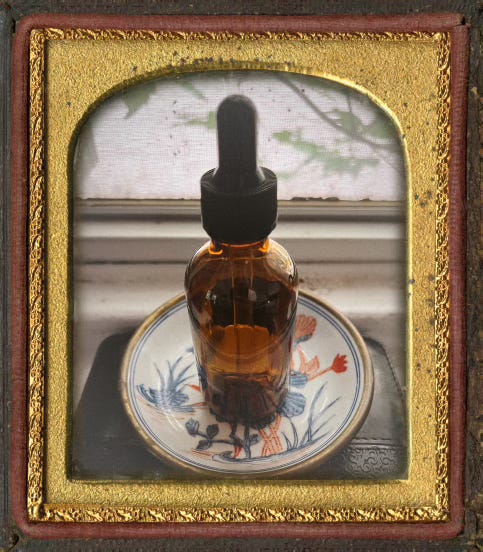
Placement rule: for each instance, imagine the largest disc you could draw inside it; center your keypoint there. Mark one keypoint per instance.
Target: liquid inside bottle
(242, 302)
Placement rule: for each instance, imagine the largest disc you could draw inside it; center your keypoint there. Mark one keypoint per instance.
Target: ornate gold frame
(61, 98)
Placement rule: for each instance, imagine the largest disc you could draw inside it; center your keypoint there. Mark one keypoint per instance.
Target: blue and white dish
(331, 385)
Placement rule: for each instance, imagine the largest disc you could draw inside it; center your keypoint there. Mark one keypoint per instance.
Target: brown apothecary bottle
(241, 287)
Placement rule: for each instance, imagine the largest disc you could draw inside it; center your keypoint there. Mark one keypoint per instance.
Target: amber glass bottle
(241, 287)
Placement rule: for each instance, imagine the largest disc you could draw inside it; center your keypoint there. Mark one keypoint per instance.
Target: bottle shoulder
(263, 251)
(270, 261)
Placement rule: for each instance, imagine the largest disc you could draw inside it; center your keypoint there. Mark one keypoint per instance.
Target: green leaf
(310, 148)
(381, 127)
(285, 136)
(351, 165)
(333, 161)
(209, 122)
(137, 97)
(348, 121)
(190, 87)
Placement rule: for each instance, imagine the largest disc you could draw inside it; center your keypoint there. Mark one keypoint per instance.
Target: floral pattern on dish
(326, 383)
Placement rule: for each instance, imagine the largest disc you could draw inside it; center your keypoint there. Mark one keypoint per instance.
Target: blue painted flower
(169, 394)
(298, 380)
(293, 405)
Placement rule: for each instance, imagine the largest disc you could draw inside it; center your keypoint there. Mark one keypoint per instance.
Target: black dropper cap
(239, 198)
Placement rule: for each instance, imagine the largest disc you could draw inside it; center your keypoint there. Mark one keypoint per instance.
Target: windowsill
(313, 231)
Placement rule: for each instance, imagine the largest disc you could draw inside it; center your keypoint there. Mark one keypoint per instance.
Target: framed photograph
(363, 120)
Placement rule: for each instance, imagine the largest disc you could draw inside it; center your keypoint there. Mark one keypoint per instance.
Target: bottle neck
(239, 249)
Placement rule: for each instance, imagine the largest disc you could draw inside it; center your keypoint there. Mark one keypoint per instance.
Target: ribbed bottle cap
(239, 198)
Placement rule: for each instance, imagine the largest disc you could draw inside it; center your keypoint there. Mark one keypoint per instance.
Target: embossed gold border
(351, 58)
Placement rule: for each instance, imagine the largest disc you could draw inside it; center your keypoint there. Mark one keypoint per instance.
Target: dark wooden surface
(20, 8)
(474, 434)
(242, 545)
(468, 540)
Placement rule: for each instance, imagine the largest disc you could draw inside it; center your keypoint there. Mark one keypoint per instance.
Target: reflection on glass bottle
(241, 287)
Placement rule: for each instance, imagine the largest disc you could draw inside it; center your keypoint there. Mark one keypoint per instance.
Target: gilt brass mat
(71, 72)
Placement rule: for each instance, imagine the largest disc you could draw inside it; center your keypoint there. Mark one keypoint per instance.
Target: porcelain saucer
(331, 386)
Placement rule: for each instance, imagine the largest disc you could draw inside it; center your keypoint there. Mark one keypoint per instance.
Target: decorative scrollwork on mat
(238, 515)
(442, 280)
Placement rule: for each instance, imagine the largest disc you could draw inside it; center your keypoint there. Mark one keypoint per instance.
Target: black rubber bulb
(237, 144)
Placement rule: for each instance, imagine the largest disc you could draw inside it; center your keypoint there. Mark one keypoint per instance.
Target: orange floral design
(339, 364)
(304, 327)
(236, 452)
(311, 368)
(271, 441)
